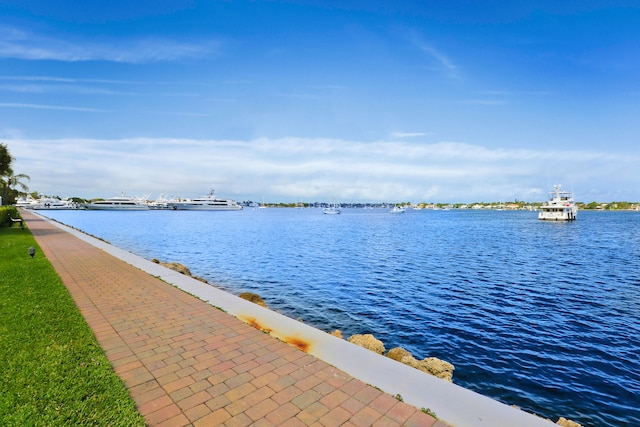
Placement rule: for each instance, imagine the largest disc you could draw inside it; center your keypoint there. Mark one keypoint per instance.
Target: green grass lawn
(52, 370)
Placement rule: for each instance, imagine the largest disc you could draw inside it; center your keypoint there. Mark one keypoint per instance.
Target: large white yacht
(119, 203)
(204, 203)
(52, 203)
(559, 207)
(45, 203)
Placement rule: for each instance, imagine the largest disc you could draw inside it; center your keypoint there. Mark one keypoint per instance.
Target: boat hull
(569, 215)
(93, 207)
(201, 207)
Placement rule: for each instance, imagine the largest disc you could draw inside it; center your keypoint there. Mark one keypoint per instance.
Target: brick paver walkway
(188, 363)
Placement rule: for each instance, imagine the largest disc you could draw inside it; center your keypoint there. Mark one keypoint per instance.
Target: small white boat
(559, 207)
(121, 203)
(204, 203)
(332, 210)
(397, 210)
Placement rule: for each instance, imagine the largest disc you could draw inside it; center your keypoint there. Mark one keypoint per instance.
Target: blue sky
(310, 100)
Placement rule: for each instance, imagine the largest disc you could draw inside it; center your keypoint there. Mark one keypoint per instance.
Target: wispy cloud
(395, 135)
(20, 44)
(182, 114)
(483, 102)
(49, 107)
(289, 169)
(56, 79)
(63, 88)
(513, 93)
(86, 86)
(438, 59)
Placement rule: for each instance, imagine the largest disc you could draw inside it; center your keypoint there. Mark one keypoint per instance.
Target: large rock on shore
(175, 266)
(180, 268)
(563, 422)
(254, 298)
(337, 333)
(430, 365)
(369, 342)
(399, 354)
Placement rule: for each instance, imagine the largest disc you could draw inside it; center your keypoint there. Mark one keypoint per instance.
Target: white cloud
(49, 107)
(291, 169)
(19, 44)
(56, 79)
(438, 60)
(408, 134)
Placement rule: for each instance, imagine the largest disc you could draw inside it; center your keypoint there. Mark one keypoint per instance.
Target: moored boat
(53, 203)
(26, 203)
(332, 210)
(205, 203)
(559, 207)
(119, 203)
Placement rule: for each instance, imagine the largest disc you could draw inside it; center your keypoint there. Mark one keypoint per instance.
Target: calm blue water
(545, 316)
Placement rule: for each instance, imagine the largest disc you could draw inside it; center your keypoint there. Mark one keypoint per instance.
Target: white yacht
(162, 202)
(26, 203)
(397, 210)
(53, 203)
(559, 207)
(332, 210)
(204, 203)
(120, 203)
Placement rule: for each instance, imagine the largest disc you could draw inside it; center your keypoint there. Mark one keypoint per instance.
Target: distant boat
(27, 203)
(121, 203)
(397, 210)
(205, 203)
(52, 203)
(559, 207)
(332, 210)
(160, 203)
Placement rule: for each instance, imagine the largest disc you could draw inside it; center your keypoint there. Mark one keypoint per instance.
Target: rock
(369, 342)
(563, 422)
(398, 354)
(254, 298)
(180, 268)
(336, 333)
(437, 367)
(430, 365)
(175, 266)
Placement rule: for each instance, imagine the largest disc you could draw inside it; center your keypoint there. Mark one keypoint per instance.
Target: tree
(11, 183)
(13, 186)
(5, 159)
